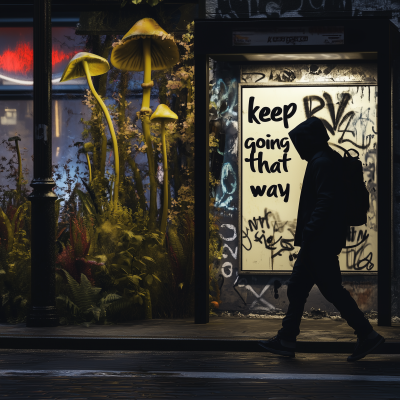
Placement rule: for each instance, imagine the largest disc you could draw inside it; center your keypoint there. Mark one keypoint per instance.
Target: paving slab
(221, 333)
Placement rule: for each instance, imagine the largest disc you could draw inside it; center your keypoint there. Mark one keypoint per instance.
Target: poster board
(271, 171)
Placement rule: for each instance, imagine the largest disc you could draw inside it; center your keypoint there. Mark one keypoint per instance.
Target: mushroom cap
(87, 147)
(97, 66)
(163, 113)
(14, 139)
(128, 56)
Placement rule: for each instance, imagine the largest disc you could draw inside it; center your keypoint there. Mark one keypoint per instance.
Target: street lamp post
(43, 311)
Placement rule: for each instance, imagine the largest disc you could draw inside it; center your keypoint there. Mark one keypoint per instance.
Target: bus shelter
(285, 69)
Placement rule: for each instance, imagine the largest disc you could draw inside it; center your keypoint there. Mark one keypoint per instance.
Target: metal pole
(201, 188)
(384, 171)
(43, 312)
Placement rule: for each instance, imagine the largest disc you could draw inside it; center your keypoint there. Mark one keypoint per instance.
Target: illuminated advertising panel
(271, 171)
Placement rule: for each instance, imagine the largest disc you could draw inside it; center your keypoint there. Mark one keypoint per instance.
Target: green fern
(84, 294)
(70, 305)
(85, 301)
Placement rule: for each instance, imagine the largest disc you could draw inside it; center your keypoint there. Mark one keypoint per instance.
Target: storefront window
(125, 229)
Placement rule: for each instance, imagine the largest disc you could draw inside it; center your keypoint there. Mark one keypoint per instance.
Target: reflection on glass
(10, 117)
(16, 55)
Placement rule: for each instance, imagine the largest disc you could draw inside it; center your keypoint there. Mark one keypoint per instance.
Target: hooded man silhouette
(320, 218)
(321, 233)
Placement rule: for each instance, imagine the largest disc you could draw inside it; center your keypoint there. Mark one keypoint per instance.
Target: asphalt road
(59, 374)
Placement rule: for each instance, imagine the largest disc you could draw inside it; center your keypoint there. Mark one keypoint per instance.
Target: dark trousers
(324, 271)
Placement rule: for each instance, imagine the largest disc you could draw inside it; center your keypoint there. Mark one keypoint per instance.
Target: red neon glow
(20, 60)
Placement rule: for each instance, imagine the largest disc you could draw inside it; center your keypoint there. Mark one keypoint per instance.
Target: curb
(175, 344)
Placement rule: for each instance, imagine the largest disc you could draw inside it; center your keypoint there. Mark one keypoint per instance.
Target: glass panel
(224, 79)
(133, 256)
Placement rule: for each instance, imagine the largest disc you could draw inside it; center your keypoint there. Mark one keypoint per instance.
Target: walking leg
(329, 281)
(298, 289)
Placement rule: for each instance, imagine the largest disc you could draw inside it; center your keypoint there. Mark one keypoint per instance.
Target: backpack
(357, 195)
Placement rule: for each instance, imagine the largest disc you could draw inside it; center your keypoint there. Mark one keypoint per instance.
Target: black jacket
(320, 221)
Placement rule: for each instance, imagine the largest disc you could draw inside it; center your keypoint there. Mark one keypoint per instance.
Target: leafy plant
(15, 228)
(84, 302)
(127, 266)
(11, 223)
(15, 258)
(73, 258)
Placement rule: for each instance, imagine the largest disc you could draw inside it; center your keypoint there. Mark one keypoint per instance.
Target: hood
(309, 137)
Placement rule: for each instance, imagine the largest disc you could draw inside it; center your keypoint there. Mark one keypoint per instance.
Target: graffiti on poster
(272, 171)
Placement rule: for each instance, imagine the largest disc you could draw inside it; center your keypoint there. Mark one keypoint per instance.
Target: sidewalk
(222, 333)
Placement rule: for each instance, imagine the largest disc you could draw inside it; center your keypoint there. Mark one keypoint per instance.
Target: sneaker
(365, 347)
(275, 346)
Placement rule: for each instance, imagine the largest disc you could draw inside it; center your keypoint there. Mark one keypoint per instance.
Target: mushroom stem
(103, 154)
(147, 72)
(19, 181)
(110, 126)
(90, 167)
(146, 130)
(138, 183)
(166, 184)
(153, 184)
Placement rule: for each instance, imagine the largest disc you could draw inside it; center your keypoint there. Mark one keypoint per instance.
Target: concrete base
(223, 334)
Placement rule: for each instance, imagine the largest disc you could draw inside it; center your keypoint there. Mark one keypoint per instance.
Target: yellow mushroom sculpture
(146, 47)
(88, 65)
(163, 115)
